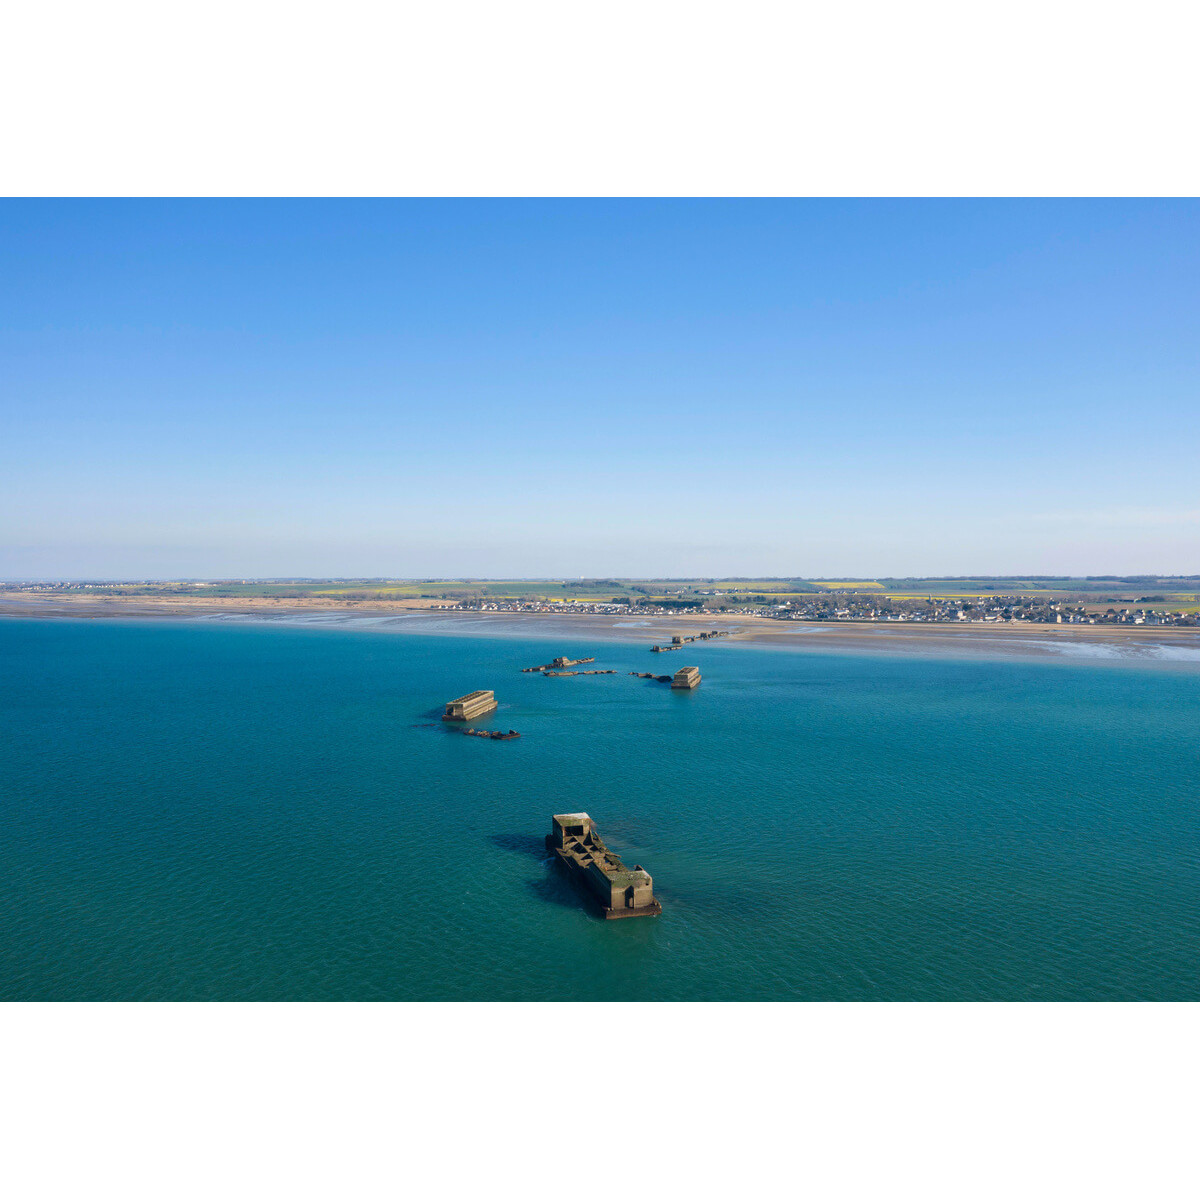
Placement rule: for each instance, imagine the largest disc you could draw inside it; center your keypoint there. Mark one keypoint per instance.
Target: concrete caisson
(619, 891)
(470, 706)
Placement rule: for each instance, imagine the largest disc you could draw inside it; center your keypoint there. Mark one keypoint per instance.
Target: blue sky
(512, 388)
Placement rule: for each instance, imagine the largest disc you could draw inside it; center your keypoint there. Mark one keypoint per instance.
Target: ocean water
(213, 811)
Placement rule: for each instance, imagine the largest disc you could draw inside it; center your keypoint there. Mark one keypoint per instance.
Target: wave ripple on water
(250, 811)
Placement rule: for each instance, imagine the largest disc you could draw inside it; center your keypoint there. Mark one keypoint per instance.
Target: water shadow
(552, 886)
(529, 844)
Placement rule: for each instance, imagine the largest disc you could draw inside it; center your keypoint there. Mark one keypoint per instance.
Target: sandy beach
(1104, 643)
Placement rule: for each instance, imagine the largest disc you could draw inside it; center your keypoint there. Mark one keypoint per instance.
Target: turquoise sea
(212, 811)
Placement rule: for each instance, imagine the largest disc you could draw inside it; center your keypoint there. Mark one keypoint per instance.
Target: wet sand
(1102, 643)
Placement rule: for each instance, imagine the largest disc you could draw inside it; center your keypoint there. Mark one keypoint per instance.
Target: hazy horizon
(532, 389)
(599, 580)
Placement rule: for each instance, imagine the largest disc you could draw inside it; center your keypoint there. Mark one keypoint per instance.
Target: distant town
(843, 608)
(1044, 600)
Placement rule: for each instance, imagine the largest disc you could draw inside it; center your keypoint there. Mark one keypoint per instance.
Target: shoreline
(1159, 646)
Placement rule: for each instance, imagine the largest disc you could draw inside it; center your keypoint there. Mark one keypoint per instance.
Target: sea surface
(196, 810)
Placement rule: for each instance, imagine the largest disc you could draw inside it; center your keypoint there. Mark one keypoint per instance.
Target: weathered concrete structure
(619, 891)
(561, 661)
(470, 706)
(686, 677)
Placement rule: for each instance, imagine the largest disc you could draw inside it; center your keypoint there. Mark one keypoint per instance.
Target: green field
(1178, 593)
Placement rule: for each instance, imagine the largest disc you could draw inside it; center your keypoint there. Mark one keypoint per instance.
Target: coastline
(1076, 643)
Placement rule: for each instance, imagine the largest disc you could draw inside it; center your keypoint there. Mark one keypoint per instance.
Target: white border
(577, 1101)
(629, 97)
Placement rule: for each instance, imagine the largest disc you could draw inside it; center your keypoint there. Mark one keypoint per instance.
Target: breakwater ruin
(680, 640)
(599, 873)
(470, 706)
(685, 677)
(558, 664)
(619, 891)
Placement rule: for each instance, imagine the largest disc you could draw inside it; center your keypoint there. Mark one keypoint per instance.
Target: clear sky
(542, 388)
